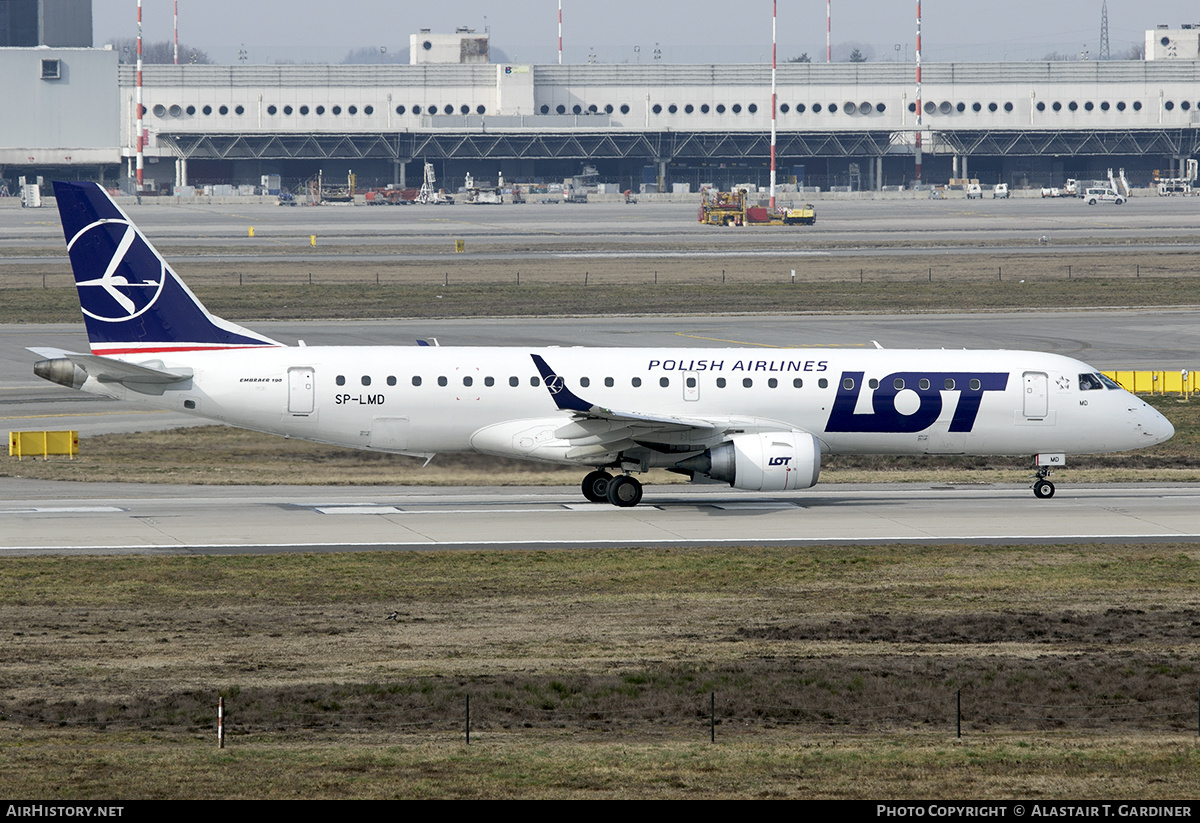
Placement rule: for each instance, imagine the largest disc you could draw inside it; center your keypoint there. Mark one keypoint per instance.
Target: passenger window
(608, 381)
(391, 381)
(797, 383)
(898, 383)
(823, 383)
(489, 381)
(416, 380)
(949, 384)
(584, 382)
(720, 382)
(691, 382)
(340, 380)
(366, 381)
(974, 384)
(467, 381)
(848, 383)
(1089, 382)
(442, 381)
(535, 381)
(923, 383)
(513, 381)
(637, 381)
(773, 382)
(664, 382)
(747, 382)
(873, 383)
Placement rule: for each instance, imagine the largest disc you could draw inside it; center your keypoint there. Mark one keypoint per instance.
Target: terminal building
(71, 112)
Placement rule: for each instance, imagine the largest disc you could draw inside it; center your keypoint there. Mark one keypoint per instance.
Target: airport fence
(731, 269)
(1183, 382)
(711, 716)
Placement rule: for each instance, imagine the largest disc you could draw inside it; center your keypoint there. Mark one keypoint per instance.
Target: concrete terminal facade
(1032, 123)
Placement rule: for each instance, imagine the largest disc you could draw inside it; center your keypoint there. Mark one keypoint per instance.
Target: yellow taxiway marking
(771, 345)
(85, 414)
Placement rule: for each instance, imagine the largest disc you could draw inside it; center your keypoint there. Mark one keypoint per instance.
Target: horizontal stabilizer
(72, 368)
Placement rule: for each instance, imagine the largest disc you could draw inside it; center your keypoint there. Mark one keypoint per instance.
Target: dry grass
(835, 671)
(460, 286)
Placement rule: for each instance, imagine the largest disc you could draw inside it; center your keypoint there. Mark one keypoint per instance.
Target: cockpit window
(1090, 382)
(1109, 383)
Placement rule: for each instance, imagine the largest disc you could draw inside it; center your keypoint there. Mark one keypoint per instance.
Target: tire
(595, 486)
(624, 491)
(1092, 202)
(1043, 489)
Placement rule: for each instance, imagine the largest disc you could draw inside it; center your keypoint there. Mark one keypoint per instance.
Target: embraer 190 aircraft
(757, 420)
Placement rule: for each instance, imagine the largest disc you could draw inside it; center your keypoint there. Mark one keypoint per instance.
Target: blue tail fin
(132, 301)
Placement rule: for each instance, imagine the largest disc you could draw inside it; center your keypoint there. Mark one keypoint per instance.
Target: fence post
(220, 722)
(467, 720)
(958, 714)
(712, 717)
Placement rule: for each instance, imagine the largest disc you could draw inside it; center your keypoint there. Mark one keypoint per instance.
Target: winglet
(564, 398)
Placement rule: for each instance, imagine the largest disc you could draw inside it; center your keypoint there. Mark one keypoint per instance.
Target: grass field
(835, 672)
(946, 281)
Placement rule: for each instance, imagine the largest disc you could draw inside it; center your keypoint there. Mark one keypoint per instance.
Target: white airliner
(757, 420)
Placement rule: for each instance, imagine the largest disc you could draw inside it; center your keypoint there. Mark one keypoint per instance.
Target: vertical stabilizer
(132, 300)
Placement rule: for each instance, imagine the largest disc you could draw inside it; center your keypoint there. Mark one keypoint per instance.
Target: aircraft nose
(1156, 427)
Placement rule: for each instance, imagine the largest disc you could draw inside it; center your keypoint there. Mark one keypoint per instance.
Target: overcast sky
(628, 31)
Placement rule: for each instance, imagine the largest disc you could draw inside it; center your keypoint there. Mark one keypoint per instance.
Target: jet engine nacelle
(773, 461)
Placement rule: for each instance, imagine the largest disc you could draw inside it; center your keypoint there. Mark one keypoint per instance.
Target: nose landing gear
(1043, 488)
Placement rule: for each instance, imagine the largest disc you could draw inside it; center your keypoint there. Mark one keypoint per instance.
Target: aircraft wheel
(595, 486)
(624, 491)
(1043, 489)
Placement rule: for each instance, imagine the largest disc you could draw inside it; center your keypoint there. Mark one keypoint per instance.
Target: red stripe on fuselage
(157, 349)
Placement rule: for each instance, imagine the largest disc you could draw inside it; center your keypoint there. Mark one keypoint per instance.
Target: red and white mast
(140, 130)
(774, 6)
(918, 145)
(560, 32)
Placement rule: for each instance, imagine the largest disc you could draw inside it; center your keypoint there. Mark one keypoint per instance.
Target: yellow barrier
(43, 443)
(1183, 382)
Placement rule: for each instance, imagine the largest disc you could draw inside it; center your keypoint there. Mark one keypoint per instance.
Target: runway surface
(221, 231)
(69, 518)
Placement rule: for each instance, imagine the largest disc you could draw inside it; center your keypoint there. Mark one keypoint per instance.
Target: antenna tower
(1104, 55)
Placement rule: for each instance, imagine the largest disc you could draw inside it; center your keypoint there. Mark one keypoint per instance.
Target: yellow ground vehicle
(728, 208)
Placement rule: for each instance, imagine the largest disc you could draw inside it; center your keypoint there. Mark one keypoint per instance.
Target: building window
(51, 67)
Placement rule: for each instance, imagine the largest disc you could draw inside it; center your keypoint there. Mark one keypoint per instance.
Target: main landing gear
(1043, 489)
(601, 487)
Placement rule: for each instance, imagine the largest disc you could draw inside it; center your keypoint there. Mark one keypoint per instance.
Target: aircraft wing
(597, 430)
(566, 400)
